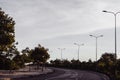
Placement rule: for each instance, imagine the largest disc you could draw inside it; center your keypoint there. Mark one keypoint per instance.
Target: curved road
(67, 74)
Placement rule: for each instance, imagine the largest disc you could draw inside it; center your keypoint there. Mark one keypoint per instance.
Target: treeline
(106, 64)
(38, 55)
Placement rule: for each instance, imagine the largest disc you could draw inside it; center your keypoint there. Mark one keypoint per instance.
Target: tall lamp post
(78, 48)
(96, 37)
(61, 49)
(115, 14)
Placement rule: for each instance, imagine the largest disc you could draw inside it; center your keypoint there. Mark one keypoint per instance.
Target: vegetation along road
(66, 74)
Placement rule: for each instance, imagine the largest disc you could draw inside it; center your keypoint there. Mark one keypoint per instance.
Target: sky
(61, 23)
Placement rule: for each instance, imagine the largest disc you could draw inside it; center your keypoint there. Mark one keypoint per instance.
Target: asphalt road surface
(67, 74)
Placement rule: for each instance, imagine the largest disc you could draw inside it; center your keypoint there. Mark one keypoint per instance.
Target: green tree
(107, 63)
(7, 39)
(26, 55)
(19, 60)
(39, 55)
(66, 63)
(7, 33)
(75, 63)
(57, 63)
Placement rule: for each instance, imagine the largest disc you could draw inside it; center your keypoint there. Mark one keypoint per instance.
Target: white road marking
(74, 75)
(68, 73)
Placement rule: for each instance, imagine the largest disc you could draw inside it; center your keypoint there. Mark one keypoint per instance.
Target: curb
(23, 74)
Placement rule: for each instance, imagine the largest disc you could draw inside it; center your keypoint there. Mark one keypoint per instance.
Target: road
(67, 74)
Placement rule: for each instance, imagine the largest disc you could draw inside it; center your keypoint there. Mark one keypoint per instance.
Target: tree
(18, 59)
(75, 64)
(7, 39)
(66, 63)
(7, 33)
(39, 55)
(57, 63)
(26, 55)
(107, 63)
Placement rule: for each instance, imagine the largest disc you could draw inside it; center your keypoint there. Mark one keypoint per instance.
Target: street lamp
(115, 14)
(96, 37)
(61, 49)
(78, 48)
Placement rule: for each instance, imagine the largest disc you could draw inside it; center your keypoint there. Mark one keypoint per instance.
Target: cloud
(60, 17)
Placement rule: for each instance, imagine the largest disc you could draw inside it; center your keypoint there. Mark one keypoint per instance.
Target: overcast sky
(60, 23)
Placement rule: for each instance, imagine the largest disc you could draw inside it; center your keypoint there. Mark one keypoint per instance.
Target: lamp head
(101, 35)
(75, 43)
(104, 11)
(82, 44)
(90, 35)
